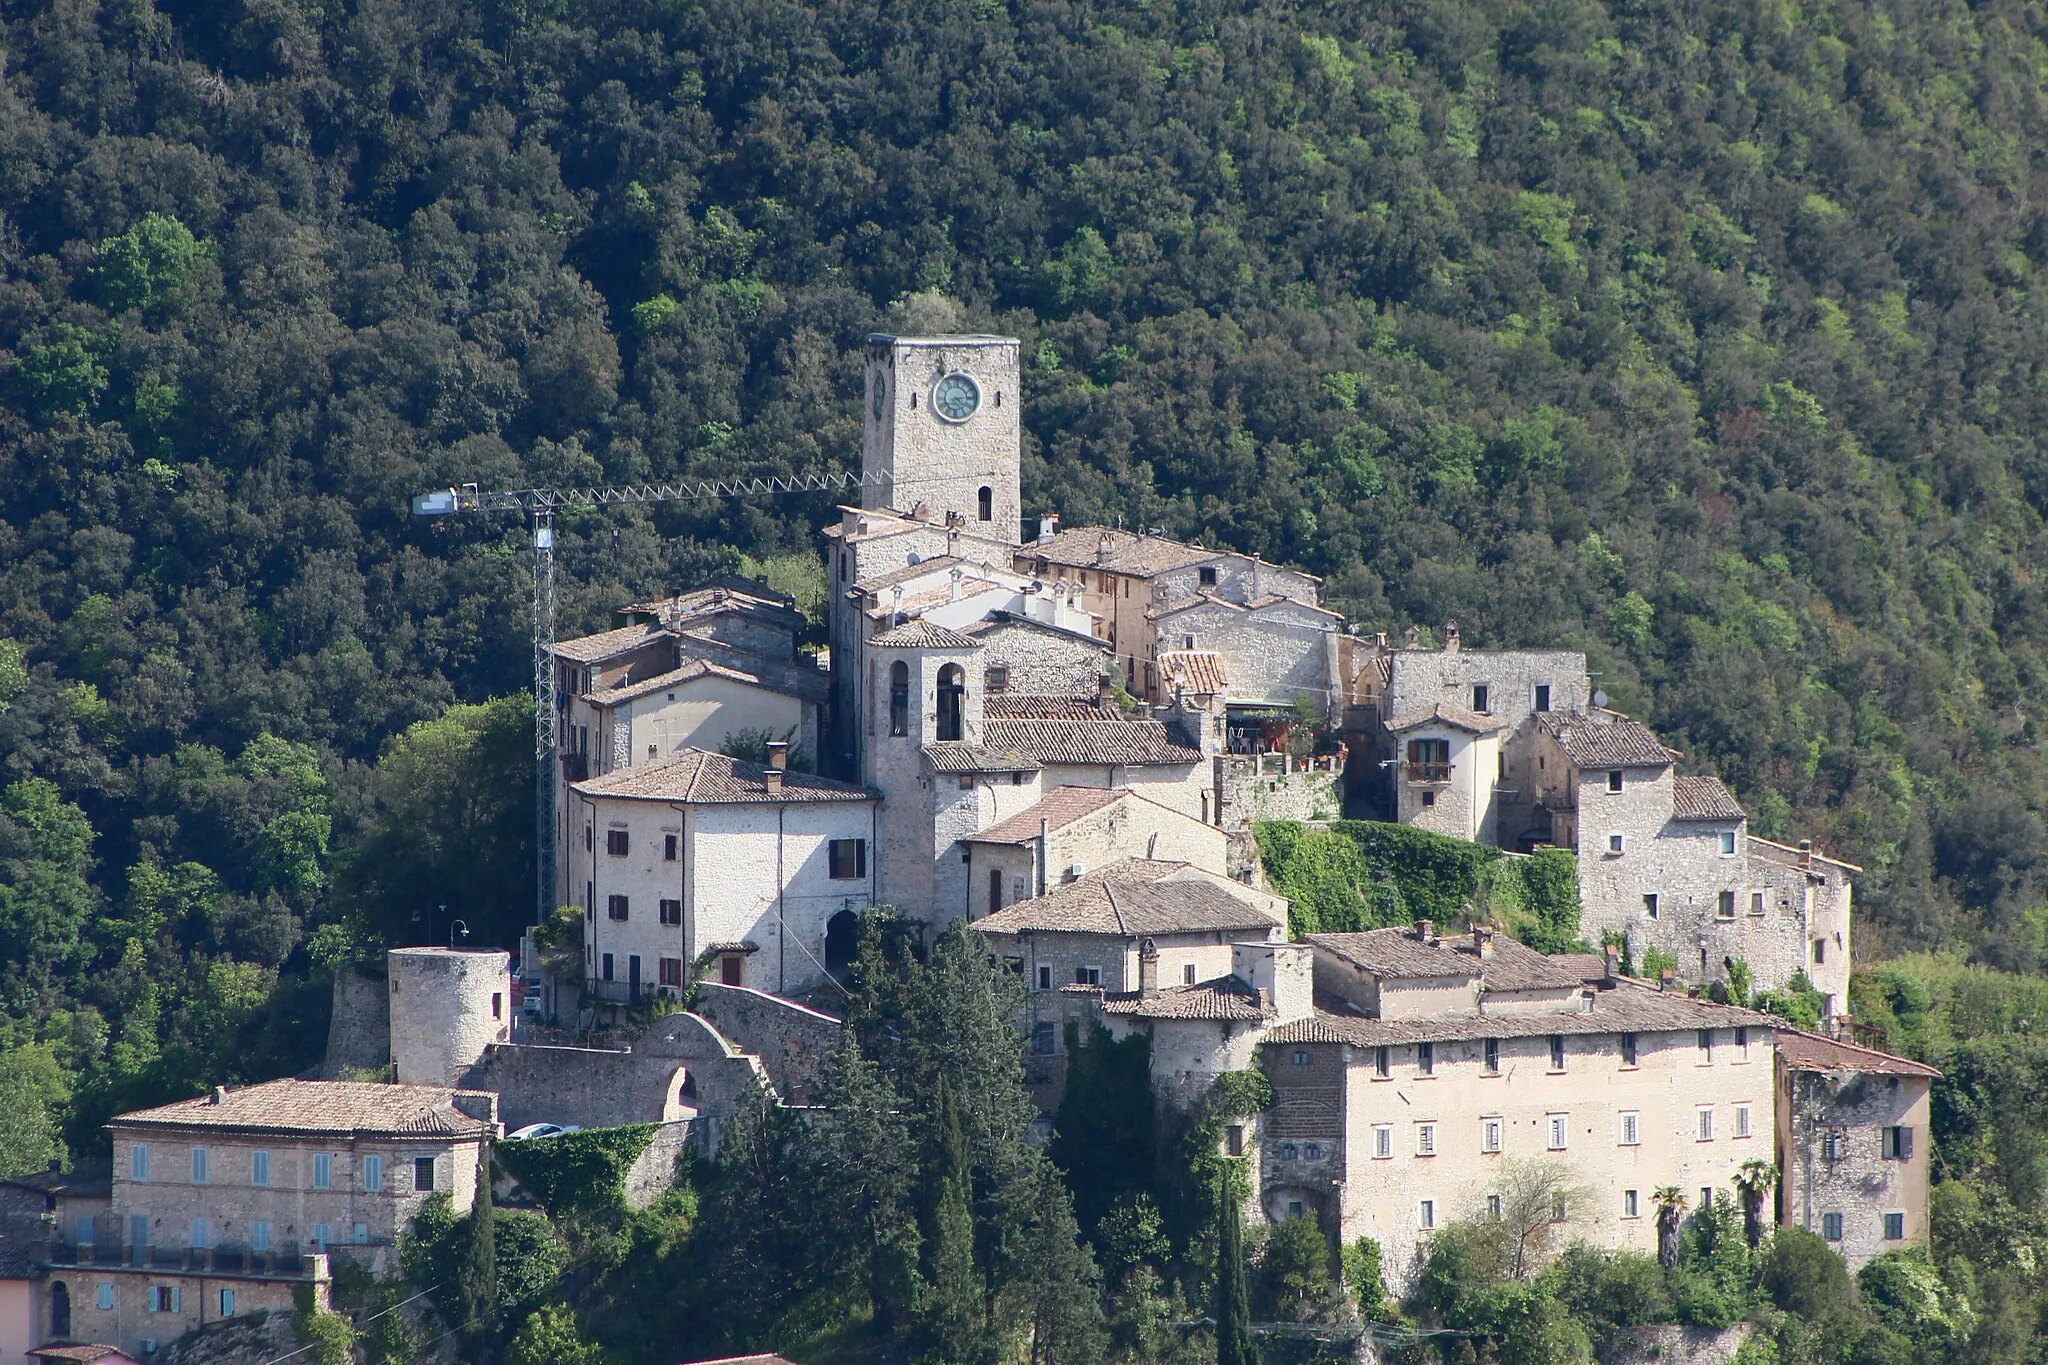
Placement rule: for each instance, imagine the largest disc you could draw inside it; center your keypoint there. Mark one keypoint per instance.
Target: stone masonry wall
(1857, 1181)
(359, 1028)
(791, 1041)
(1043, 662)
(1276, 787)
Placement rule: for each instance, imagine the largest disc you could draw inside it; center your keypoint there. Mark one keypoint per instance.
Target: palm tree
(1670, 1201)
(1754, 1182)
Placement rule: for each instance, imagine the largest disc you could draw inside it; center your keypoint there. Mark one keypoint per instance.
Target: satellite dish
(1600, 699)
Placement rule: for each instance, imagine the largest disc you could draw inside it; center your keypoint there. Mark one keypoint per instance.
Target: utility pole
(541, 504)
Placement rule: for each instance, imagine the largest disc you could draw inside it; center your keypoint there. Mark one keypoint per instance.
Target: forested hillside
(1705, 337)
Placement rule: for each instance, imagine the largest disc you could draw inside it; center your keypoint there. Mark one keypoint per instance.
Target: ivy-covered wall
(1363, 874)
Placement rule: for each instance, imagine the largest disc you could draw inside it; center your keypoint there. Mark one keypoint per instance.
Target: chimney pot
(1048, 527)
(1482, 941)
(220, 1094)
(1667, 980)
(1425, 930)
(1612, 955)
(772, 779)
(1450, 637)
(1411, 638)
(1105, 690)
(1148, 969)
(778, 754)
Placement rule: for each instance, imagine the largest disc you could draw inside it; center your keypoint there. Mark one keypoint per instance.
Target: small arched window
(987, 508)
(899, 698)
(952, 694)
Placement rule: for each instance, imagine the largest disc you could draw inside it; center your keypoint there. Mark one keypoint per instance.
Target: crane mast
(541, 505)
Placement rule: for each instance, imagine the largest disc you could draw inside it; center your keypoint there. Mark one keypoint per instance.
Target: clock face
(881, 400)
(956, 397)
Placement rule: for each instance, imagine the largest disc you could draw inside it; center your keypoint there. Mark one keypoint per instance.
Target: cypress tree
(952, 1309)
(1233, 1303)
(480, 1260)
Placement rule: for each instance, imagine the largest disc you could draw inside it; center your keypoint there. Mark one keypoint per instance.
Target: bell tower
(941, 428)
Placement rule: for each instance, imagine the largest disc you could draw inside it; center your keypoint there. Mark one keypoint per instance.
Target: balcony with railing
(1428, 774)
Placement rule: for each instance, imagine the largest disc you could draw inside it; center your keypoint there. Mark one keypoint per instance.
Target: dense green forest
(1703, 337)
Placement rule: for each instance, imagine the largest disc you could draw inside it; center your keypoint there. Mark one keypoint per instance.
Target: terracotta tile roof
(1787, 855)
(686, 609)
(1803, 1051)
(1058, 808)
(609, 644)
(89, 1184)
(745, 1360)
(1476, 722)
(1628, 1008)
(1118, 743)
(1225, 998)
(697, 775)
(1600, 742)
(1105, 547)
(98, 1353)
(923, 635)
(906, 573)
(788, 679)
(1201, 671)
(1703, 798)
(1209, 599)
(957, 756)
(1035, 706)
(1005, 620)
(294, 1106)
(1397, 953)
(938, 595)
(1133, 898)
(1588, 967)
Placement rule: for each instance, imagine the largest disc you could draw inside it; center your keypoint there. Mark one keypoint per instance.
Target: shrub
(1803, 1275)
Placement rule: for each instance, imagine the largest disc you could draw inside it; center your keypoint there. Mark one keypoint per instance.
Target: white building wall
(703, 712)
(447, 1006)
(1188, 788)
(1464, 806)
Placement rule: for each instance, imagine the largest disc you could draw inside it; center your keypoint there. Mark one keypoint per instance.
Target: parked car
(541, 1130)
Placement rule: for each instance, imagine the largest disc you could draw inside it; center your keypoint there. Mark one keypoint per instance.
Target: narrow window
(1895, 1227)
(671, 969)
(1831, 1226)
(617, 907)
(668, 848)
(605, 967)
(1724, 905)
(1614, 780)
(1706, 1125)
(1560, 1126)
(1706, 1044)
(373, 1174)
(843, 568)
(1382, 1061)
(422, 1174)
(1426, 1216)
(1300, 1057)
(360, 1234)
(227, 1303)
(1489, 1135)
(497, 1004)
(323, 1172)
(1616, 843)
(1493, 1207)
(202, 1233)
(138, 1162)
(1234, 1139)
(259, 1235)
(323, 1236)
(1482, 698)
(1820, 950)
(138, 1230)
(1425, 1139)
(201, 1159)
(1631, 1130)
(616, 842)
(672, 912)
(1728, 841)
(1628, 1049)
(1187, 975)
(1706, 1196)
(1557, 1052)
(1287, 1151)
(1492, 1053)
(1045, 978)
(1756, 902)
(985, 504)
(1312, 1151)
(105, 1297)
(1898, 1143)
(952, 700)
(1630, 1208)
(1542, 696)
(1087, 976)
(899, 698)
(1557, 1209)
(1742, 1120)
(1425, 1058)
(1742, 1042)
(1042, 1038)
(732, 970)
(1382, 1143)
(1650, 904)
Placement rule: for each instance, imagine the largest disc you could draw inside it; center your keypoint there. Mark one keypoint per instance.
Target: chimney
(1048, 527)
(778, 754)
(1450, 637)
(1379, 641)
(219, 1096)
(1482, 942)
(1411, 638)
(772, 780)
(1102, 549)
(1425, 930)
(1612, 964)
(1148, 970)
(1806, 854)
(953, 584)
(1667, 981)
(1105, 691)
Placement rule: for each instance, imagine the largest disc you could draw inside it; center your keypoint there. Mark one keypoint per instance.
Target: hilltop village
(1065, 737)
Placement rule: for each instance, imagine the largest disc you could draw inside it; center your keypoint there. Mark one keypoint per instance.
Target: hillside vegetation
(1703, 337)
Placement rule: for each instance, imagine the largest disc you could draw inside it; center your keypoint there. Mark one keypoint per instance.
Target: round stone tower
(447, 1006)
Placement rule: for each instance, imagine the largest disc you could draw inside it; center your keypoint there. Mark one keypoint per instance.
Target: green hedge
(577, 1172)
(1361, 874)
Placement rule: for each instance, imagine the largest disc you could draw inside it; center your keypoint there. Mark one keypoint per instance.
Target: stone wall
(939, 463)
(1851, 1175)
(446, 1008)
(1277, 787)
(1275, 654)
(654, 1172)
(138, 1328)
(791, 1040)
(359, 1028)
(1042, 660)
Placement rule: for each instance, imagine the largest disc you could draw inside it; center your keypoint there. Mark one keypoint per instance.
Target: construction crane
(542, 504)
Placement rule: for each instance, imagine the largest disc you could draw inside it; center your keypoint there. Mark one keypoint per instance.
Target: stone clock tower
(941, 424)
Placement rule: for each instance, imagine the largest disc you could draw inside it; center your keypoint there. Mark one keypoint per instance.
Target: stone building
(700, 856)
(1198, 1032)
(1438, 1071)
(232, 1204)
(1072, 830)
(1447, 771)
(1853, 1145)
